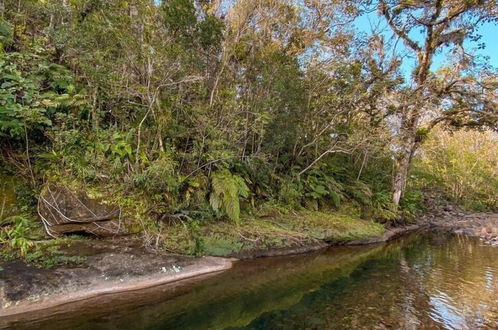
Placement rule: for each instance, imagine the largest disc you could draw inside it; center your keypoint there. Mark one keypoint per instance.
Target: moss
(260, 234)
(220, 245)
(44, 254)
(331, 227)
(7, 193)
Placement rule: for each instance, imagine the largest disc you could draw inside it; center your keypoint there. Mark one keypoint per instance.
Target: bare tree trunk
(28, 157)
(95, 111)
(160, 140)
(65, 6)
(139, 136)
(401, 170)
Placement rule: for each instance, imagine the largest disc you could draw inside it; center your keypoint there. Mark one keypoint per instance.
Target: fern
(336, 199)
(360, 192)
(227, 188)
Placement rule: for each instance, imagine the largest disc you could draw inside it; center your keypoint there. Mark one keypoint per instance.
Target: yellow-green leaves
(464, 164)
(227, 188)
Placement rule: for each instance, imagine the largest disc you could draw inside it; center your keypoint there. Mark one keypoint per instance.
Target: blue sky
(489, 32)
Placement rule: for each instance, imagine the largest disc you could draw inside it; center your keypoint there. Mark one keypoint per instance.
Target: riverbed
(421, 281)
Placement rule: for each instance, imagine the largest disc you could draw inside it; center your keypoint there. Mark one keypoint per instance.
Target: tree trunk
(401, 170)
(95, 111)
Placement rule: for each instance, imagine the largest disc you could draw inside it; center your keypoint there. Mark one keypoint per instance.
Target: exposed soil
(445, 216)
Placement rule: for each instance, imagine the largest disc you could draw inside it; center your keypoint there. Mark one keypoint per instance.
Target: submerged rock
(64, 211)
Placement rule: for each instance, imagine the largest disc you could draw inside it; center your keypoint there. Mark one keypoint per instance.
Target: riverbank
(113, 266)
(106, 267)
(269, 234)
(483, 225)
(117, 265)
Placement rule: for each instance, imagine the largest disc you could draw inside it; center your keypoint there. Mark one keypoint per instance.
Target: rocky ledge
(452, 219)
(106, 267)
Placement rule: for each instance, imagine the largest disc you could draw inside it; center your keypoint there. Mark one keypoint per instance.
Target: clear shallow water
(424, 281)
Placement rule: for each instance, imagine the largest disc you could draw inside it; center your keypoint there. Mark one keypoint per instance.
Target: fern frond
(336, 199)
(227, 188)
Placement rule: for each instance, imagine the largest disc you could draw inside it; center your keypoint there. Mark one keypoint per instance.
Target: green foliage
(179, 16)
(118, 148)
(153, 92)
(199, 245)
(320, 186)
(226, 191)
(412, 204)
(182, 21)
(159, 176)
(32, 91)
(360, 192)
(382, 208)
(211, 32)
(14, 233)
(463, 165)
(193, 192)
(421, 134)
(291, 194)
(6, 37)
(150, 104)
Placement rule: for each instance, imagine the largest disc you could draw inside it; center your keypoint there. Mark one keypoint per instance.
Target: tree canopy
(215, 107)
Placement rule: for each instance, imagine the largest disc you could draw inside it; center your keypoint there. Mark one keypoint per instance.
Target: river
(421, 281)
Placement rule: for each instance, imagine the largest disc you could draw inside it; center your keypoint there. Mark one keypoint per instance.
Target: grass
(43, 254)
(254, 235)
(23, 237)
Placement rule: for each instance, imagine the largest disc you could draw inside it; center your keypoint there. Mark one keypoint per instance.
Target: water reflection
(461, 285)
(420, 282)
(434, 282)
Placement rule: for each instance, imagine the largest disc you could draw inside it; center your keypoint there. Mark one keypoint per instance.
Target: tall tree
(462, 93)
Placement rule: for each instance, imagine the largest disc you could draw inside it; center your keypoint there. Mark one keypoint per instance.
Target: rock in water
(64, 211)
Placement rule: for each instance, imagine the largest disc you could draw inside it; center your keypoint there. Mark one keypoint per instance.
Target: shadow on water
(420, 281)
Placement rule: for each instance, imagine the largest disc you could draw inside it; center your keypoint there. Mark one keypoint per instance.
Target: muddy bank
(390, 234)
(318, 245)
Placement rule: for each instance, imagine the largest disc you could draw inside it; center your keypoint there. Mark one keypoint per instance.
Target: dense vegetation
(196, 111)
(464, 165)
